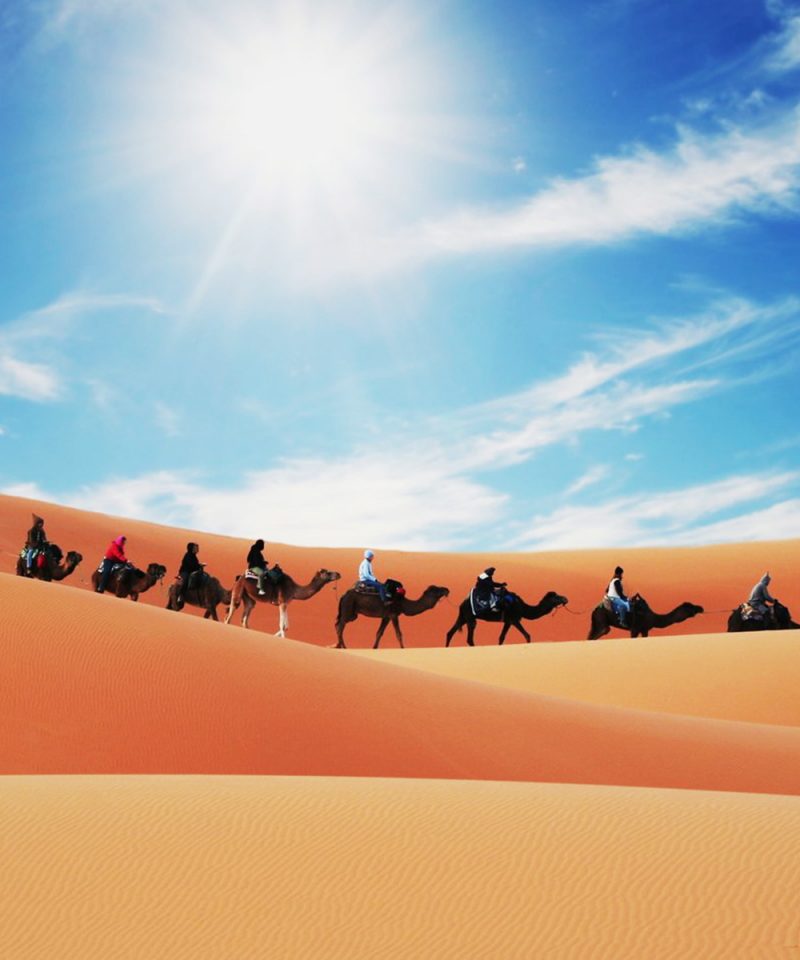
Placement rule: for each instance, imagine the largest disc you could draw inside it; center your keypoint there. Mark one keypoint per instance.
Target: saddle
(393, 589)
(749, 612)
(196, 580)
(489, 606)
(272, 574)
(117, 568)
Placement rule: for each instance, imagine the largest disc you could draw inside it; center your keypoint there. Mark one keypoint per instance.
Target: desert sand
(175, 787)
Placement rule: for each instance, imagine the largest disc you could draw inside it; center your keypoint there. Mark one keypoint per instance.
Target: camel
(54, 567)
(778, 618)
(280, 594)
(208, 595)
(356, 602)
(511, 612)
(641, 619)
(130, 581)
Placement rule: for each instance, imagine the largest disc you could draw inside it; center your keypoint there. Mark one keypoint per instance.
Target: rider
(189, 565)
(486, 587)
(615, 593)
(257, 563)
(367, 575)
(113, 556)
(760, 596)
(36, 541)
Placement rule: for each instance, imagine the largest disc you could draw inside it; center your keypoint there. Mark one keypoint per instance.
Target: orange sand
(655, 813)
(730, 676)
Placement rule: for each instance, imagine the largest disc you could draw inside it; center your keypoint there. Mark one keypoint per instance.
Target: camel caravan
(489, 601)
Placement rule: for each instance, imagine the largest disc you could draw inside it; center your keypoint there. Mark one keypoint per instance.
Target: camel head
(74, 558)
(327, 576)
(690, 609)
(156, 571)
(436, 592)
(555, 598)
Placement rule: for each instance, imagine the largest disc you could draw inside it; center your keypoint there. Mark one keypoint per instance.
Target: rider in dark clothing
(257, 563)
(36, 540)
(486, 586)
(189, 565)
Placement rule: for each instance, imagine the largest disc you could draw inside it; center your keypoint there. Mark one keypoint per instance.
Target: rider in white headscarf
(760, 595)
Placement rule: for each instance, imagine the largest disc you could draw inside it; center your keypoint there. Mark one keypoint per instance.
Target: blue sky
(468, 275)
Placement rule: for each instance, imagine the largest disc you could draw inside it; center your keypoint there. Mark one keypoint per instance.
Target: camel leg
(522, 630)
(248, 603)
(471, 633)
(283, 620)
(340, 644)
(232, 606)
(396, 625)
(383, 625)
(454, 629)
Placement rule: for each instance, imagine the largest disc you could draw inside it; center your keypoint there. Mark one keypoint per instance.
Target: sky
(470, 275)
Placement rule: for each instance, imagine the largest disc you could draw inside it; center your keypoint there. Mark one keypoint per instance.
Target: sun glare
(289, 112)
(286, 134)
(298, 105)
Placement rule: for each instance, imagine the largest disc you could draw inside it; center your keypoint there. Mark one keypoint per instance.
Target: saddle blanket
(483, 605)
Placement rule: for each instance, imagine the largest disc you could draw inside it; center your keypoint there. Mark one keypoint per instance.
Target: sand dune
(495, 802)
(743, 676)
(123, 688)
(718, 578)
(179, 867)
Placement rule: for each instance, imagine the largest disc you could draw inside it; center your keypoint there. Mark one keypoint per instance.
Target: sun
(284, 135)
(293, 103)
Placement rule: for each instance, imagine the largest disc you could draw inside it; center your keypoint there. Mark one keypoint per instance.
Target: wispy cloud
(429, 488)
(702, 179)
(361, 500)
(30, 381)
(785, 46)
(683, 516)
(592, 476)
(43, 330)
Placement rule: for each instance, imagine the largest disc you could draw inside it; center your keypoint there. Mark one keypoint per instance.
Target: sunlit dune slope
(180, 867)
(742, 676)
(717, 578)
(94, 685)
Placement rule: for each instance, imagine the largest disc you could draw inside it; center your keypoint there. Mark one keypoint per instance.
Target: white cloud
(42, 330)
(30, 381)
(363, 500)
(423, 490)
(592, 476)
(786, 49)
(704, 179)
(672, 517)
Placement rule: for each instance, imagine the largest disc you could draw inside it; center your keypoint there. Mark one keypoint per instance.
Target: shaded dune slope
(93, 685)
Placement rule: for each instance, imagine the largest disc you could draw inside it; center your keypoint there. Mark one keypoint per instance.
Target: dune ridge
(717, 577)
(124, 688)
